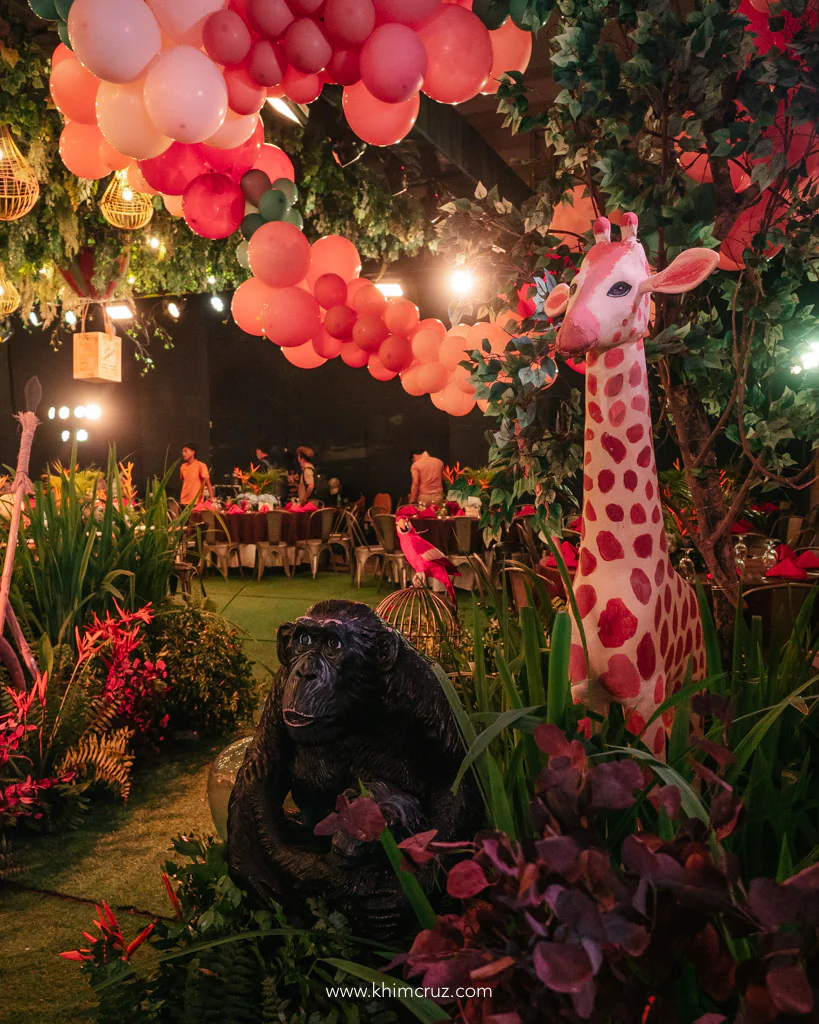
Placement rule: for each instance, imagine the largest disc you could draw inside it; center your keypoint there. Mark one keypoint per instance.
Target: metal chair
(313, 546)
(778, 605)
(275, 547)
(216, 541)
(339, 538)
(362, 551)
(394, 563)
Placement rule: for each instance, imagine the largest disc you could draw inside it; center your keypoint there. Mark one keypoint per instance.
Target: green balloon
(493, 13)
(241, 255)
(63, 7)
(273, 204)
(62, 32)
(295, 218)
(288, 187)
(251, 223)
(44, 9)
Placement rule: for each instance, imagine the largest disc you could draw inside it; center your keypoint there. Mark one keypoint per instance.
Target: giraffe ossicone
(640, 619)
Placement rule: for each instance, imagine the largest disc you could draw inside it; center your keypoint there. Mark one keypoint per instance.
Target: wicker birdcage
(19, 188)
(123, 207)
(425, 619)
(9, 296)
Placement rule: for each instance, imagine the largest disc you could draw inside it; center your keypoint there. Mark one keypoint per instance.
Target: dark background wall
(225, 392)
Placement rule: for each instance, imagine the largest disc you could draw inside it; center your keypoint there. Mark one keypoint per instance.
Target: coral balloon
(279, 254)
(453, 350)
(355, 286)
(378, 370)
(226, 37)
(431, 377)
(275, 163)
(213, 205)
(80, 150)
(172, 171)
(304, 356)
(236, 130)
(369, 332)
(461, 379)
(112, 158)
(333, 254)
(269, 18)
(411, 383)
(573, 219)
(406, 12)
(326, 345)
(431, 323)
(267, 65)
(401, 316)
(354, 356)
(74, 91)
(245, 95)
(395, 353)
(741, 234)
(369, 301)
(491, 332)
(237, 161)
(393, 63)
(511, 51)
(344, 67)
(124, 121)
(173, 204)
(137, 181)
(307, 47)
(459, 55)
(61, 53)
(184, 20)
(301, 88)
(378, 123)
(426, 346)
(115, 39)
(349, 23)
(695, 165)
(339, 322)
(453, 401)
(330, 290)
(185, 94)
(291, 316)
(249, 300)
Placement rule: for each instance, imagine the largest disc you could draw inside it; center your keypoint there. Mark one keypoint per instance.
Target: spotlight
(461, 282)
(52, 412)
(348, 149)
(71, 317)
(390, 289)
(119, 311)
(173, 310)
(34, 320)
(82, 435)
(79, 412)
(285, 109)
(64, 412)
(65, 435)
(153, 242)
(217, 303)
(93, 412)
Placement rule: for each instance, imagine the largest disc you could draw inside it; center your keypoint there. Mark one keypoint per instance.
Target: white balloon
(115, 39)
(185, 94)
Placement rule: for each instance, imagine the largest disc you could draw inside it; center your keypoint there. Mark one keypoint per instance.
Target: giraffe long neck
(622, 513)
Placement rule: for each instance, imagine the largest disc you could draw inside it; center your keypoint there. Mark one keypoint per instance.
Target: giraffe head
(608, 302)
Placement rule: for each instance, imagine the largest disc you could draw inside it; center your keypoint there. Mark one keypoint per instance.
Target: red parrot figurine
(424, 557)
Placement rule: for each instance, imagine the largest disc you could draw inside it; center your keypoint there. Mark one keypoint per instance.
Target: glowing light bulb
(71, 317)
(174, 310)
(217, 303)
(52, 412)
(211, 279)
(461, 282)
(34, 320)
(82, 435)
(131, 279)
(64, 412)
(93, 412)
(65, 435)
(154, 242)
(79, 412)
(127, 195)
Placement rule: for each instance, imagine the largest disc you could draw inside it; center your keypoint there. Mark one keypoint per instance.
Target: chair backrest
(376, 510)
(275, 525)
(215, 532)
(327, 517)
(383, 501)
(463, 535)
(354, 530)
(385, 532)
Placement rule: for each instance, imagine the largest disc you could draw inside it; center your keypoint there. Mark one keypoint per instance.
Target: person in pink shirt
(427, 479)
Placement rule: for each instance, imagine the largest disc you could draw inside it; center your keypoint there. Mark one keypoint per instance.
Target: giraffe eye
(572, 287)
(618, 290)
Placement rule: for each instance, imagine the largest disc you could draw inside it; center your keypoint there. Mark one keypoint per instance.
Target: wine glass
(769, 555)
(686, 566)
(740, 553)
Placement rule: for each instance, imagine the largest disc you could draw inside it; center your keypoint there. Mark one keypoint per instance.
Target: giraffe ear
(688, 270)
(556, 301)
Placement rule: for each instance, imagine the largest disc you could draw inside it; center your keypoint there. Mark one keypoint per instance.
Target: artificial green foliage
(212, 689)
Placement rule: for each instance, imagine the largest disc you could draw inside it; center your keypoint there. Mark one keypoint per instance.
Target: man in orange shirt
(195, 477)
(427, 479)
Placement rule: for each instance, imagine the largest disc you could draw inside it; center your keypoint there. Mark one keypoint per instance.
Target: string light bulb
(461, 282)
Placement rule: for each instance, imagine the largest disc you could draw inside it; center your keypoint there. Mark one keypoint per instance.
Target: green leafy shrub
(211, 684)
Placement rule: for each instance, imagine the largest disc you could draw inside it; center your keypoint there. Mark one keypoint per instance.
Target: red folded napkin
(293, 506)
(525, 510)
(783, 552)
(234, 510)
(203, 506)
(576, 523)
(460, 512)
(309, 507)
(808, 560)
(407, 510)
(567, 552)
(787, 569)
(742, 526)
(452, 508)
(765, 506)
(427, 513)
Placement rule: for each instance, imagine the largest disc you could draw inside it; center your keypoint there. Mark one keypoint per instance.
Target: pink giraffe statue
(640, 619)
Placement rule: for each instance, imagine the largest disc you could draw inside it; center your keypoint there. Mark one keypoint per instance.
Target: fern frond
(106, 759)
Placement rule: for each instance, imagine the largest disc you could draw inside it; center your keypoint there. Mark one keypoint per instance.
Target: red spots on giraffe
(649, 490)
(617, 413)
(663, 543)
(588, 563)
(638, 403)
(669, 569)
(614, 446)
(663, 639)
(637, 514)
(675, 620)
(635, 723)
(659, 742)
(586, 597)
(635, 374)
(635, 432)
(616, 337)
(646, 656)
(577, 663)
(591, 359)
(591, 384)
(589, 434)
(689, 641)
(621, 678)
(616, 624)
(609, 546)
(589, 513)
(615, 513)
(643, 545)
(588, 483)
(587, 458)
(605, 480)
(678, 653)
(641, 585)
(614, 357)
(655, 514)
(613, 386)
(624, 322)
(659, 690)
(659, 572)
(667, 599)
(644, 457)
(594, 412)
(630, 480)
(658, 611)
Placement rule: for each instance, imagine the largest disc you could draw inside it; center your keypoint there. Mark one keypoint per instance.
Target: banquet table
(443, 533)
(248, 529)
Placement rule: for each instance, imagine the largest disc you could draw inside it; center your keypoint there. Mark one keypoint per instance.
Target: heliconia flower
(137, 942)
(41, 685)
(75, 954)
(177, 906)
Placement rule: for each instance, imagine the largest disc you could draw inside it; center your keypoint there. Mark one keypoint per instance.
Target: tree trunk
(709, 502)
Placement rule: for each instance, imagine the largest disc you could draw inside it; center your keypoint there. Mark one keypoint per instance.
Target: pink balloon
(304, 356)
(214, 205)
(354, 356)
(60, 54)
(301, 88)
(173, 204)
(344, 67)
(74, 91)
(124, 122)
(172, 171)
(431, 377)
(306, 46)
(184, 20)
(270, 18)
(305, 6)
(378, 370)
(247, 304)
(267, 65)
(291, 316)
(395, 353)
(80, 146)
(326, 345)
(236, 130)
(334, 255)
(275, 163)
(114, 39)
(407, 12)
(393, 63)
(245, 96)
(378, 123)
(349, 23)
(511, 51)
(459, 55)
(185, 94)
(279, 254)
(426, 345)
(238, 161)
(226, 37)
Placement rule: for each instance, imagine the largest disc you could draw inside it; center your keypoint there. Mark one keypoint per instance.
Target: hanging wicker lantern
(9, 296)
(124, 208)
(425, 619)
(19, 188)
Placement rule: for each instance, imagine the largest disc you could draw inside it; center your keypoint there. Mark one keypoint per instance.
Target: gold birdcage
(9, 296)
(425, 619)
(19, 188)
(124, 207)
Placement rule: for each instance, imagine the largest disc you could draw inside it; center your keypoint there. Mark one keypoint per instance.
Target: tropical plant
(260, 481)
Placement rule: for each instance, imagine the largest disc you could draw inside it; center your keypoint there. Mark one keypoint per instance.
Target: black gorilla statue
(354, 703)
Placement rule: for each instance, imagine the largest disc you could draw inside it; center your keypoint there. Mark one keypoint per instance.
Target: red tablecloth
(251, 527)
(445, 533)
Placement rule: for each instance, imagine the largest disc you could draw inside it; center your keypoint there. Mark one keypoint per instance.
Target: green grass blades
(409, 883)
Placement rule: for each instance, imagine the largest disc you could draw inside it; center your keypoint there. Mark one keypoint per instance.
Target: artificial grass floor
(117, 854)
